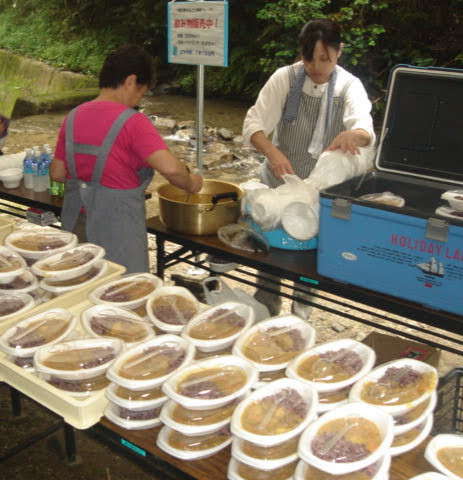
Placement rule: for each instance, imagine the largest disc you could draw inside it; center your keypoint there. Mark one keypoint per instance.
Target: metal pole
(199, 118)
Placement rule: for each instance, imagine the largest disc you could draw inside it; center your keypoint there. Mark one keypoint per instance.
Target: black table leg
(160, 252)
(15, 401)
(70, 443)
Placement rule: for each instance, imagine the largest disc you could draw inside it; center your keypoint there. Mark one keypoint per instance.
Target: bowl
(46, 328)
(397, 393)
(195, 379)
(218, 327)
(11, 265)
(11, 177)
(241, 471)
(25, 283)
(171, 307)
(174, 351)
(125, 397)
(347, 358)
(128, 291)
(434, 450)
(335, 426)
(288, 404)
(69, 264)
(107, 321)
(80, 387)
(411, 438)
(329, 400)
(430, 476)
(455, 199)
(412, 418)
(133, 419)
(78, 359)
(35, 243)
(14, 304)
(192, 447)
(261, 345)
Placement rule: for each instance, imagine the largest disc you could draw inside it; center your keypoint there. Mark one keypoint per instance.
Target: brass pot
(217, 204)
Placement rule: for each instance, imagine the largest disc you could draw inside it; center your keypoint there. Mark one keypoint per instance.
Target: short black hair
(320, 29)
(125, 61)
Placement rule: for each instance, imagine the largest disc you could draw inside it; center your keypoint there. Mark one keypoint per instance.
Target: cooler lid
(423, 124)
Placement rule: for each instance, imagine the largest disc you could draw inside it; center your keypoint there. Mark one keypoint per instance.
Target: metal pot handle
(220, 196)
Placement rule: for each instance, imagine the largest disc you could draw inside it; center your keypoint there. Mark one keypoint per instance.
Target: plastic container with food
(79, 387)
(26, 282)
(241, 471)
(275, 413)
(379, 470)
(265, 458)
(197, 422)
(187, 447)
(271, 344)
(455, 198)
(149, 364)
(171, 307)
(397, 386)
(329, 400)
(14, 303)
(143, 399)
(411, 438)
(211, 383)
(268, 376)
(333, 365)
(406, 421)
(129, 291)
(37, 242)
(72, 263)
(445, 453)
(12, 264)
(108, 321)
(218, 327)
(347, 439)
(58, 287)
(77, 359)
(46, 328)
(135, 418)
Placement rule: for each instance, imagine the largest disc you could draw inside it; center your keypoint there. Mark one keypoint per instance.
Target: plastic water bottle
(27, 168)
(35, 168)
(43, 170)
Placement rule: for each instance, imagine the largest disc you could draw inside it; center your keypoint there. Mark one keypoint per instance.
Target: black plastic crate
(448, 415)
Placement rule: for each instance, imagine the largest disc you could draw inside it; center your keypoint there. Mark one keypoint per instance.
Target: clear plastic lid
(24, 338)
(408, 420)
(241, 471)
(108, 321)
(14, 303)
(126, 397)
(11, 265)
(127, 419)
(77, 387)
(412, 438)
(445, 453)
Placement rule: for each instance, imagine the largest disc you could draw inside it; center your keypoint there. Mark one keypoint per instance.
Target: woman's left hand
(350, 141)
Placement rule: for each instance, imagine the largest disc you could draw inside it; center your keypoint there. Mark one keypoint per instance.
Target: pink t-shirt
(137, 140)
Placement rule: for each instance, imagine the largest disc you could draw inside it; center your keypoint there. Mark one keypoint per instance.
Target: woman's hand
(350, 141)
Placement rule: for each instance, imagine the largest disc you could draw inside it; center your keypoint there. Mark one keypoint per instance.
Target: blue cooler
(411, 251)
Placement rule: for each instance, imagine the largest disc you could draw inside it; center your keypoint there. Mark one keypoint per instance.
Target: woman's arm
(57, 171)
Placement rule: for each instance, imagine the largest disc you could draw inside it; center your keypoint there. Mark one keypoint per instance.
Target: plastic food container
(78, 359)
(329, 400)
(149, 364)
(193, 447)
(333, 365)
(211, 383)
(217, 265)
(324, 442)
(266, 377)
(11, 265)
(38, 242)
(143, 399)
(218, 327)
(412, 438)
(11, 177)
(78, 387)
(46, 328)
(106, 321)
(241, 471)
(69, 264)
(455, 198)
(58, 287)
(304, 471)
(129, 291)
(407, 421)
(445, 453)
(271, 344)
(275, 413)
(171, 307)
(14, 303)
(265, 458)
(197, 422)
(23, 283)
(396, 387)
(133, 419)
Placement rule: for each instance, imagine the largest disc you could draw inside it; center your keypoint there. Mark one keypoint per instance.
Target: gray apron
(115, 218)
(294, 138)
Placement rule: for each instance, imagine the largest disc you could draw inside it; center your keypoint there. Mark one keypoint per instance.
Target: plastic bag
(242, 237)
(300, 220)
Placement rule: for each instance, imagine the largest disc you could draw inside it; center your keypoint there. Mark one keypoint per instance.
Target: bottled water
(35, 168)
(27, 168)
(43, 170)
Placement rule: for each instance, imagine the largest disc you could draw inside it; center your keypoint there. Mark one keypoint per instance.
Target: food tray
(6, 227)
(448, 415)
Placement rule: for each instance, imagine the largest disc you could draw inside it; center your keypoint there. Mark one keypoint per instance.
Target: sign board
(198, 33)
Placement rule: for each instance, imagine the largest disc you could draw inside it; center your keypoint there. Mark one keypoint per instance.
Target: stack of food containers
(137, 375)
(355, 437)
(332, 368)
(405, 389)
(271, 344)
(14, 303)
(202, 398)
(266, 427)
(445, 453)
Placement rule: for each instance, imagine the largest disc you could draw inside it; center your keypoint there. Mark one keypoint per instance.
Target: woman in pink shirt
(107, 153)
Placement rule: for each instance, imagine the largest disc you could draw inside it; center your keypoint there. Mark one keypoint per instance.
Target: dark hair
(127, 60)
(320, 29)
